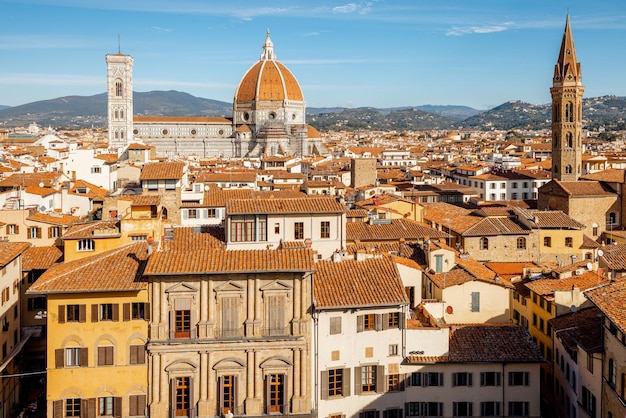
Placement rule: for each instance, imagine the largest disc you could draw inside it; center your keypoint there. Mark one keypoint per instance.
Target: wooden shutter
(469, 379)
(380, 379)
(38, 231)
(406, 409)
(358, 387)
(378, 322)
(402, 381)
(172, 325)
(88, 408)
(116, 312)
(440, 379)
(498, 379)
(385, 324)
(50, 231)
(402, 322)
(359, 323)
(17, 229)
(94, 312)
(126, 312)
(61, 314)
(267, 393)
(220, 395)
(137, 405)
(192, 324)
(345, 375)
(173, 397)
(82, 313)
(84, 357)
(117, 407)
(324, 393)
(235, 397)
(57, 409)
(101, 356)
(286, 392)
(146, 311)
(59, 358)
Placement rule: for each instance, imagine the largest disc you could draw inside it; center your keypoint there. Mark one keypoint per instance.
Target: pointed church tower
(567, 107)
(119, 99)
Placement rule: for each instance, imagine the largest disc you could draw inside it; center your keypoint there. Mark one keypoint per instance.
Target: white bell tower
(119, 99)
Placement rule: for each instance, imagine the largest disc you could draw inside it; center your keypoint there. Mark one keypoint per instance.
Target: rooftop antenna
(119, 47)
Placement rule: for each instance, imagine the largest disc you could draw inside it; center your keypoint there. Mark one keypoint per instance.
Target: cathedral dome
(268, 80)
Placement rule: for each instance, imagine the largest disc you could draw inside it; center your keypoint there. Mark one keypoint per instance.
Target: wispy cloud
(360, 8)
(468, 30)
(160, 29)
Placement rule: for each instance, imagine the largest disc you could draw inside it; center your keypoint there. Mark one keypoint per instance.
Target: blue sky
(379, 53)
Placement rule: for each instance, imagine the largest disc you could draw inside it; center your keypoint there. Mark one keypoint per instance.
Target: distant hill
(4, 107)
(85, 111)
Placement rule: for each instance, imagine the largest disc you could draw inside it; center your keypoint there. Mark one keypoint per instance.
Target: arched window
(121, 134)
(484, 243)
(568, 169)
(569, 140)
(121, 114)
(118, 88)
(117, 135)
(117, 115)
(569, 112)
(521, 243)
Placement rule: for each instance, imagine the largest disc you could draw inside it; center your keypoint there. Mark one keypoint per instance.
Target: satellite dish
(42, 208)
(600, 253)
(589, 265)
(41, 184)
(573, 308)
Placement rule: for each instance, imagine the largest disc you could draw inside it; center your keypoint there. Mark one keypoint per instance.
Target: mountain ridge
(85, 111)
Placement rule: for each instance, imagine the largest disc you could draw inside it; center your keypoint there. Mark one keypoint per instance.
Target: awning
(15, 351)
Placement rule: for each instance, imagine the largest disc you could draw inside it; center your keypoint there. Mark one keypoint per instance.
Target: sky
(348, 53)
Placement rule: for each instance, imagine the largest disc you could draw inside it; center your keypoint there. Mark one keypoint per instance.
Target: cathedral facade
(269, 116)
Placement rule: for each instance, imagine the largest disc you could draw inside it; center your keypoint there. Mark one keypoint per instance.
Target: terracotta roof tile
(611, 300)
(97, 229)
(612, 175)
(54, 218)
(582, 328)
(30, 179)
(162, 170)
(217, 261)
(217, 197)
(398, 228)
(10, 250)
(40, 191)
(123, 266)
(493, 344)
(615, 256)
(585, 281)
(108, 158)
(41, 258)
(586, 188)
(284, 206)
(353, 283)
(195, 238)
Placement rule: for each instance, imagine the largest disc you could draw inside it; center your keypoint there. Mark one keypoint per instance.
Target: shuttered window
(137, 354)
(137, 405)
(276, 315)
(335, 325)
(105, 356)
(230, 316)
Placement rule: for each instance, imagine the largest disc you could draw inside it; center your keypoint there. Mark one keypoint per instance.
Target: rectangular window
(569, 242)
(72, 356)
(298, 230)
(170, 184)
(366, 322)
(393, 320)
(228, 390)
(85, 245)
(368, 414)
(590, 362)
(490, 379)
(136, 405)
(105, 356)
(475, 305)
(393, 382)
(416, 379)
(230, 316)
(432, 409)
(152, 184)
(54, 232)
(392, 413)
(462, 379)
(211, 213)
(589, 402)
(73, 313)
(72, 407)
(412, 409)
(518, 378)
(335, 382)
(325, 229)
(432, 379)
(13, 229)
(518, 409)
(137, 354)
(490, 409)
(335, 325)
(106, 312)
(182, 323)
(368, 379)
(139, 310)
(192, 213)
(462, 409)
(547, 241)
(105, 406)
(36, 303)
(242, 228)
(34, 232)
(393, 349)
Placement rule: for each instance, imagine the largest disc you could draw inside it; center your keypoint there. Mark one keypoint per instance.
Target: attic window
(81, 190)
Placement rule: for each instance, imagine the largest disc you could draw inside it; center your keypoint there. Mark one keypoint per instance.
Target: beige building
(230, 331)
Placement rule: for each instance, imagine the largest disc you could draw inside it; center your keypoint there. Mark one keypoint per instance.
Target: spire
(567, 68)
(268, 48)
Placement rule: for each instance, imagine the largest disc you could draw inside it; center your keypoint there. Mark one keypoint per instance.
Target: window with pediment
(230, 296)
(276, 297)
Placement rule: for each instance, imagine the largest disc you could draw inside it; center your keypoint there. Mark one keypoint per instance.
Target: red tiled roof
(10, 250)
(611, 300)
(162, 170)
(612, 175)
(585, 281)
(123, 266)
(41, 258)
(216, 261)
(89, 230)
(398, 228)
(54, 219)
(284, 206)
(493, 344)
(358, 283)
(582, 328)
